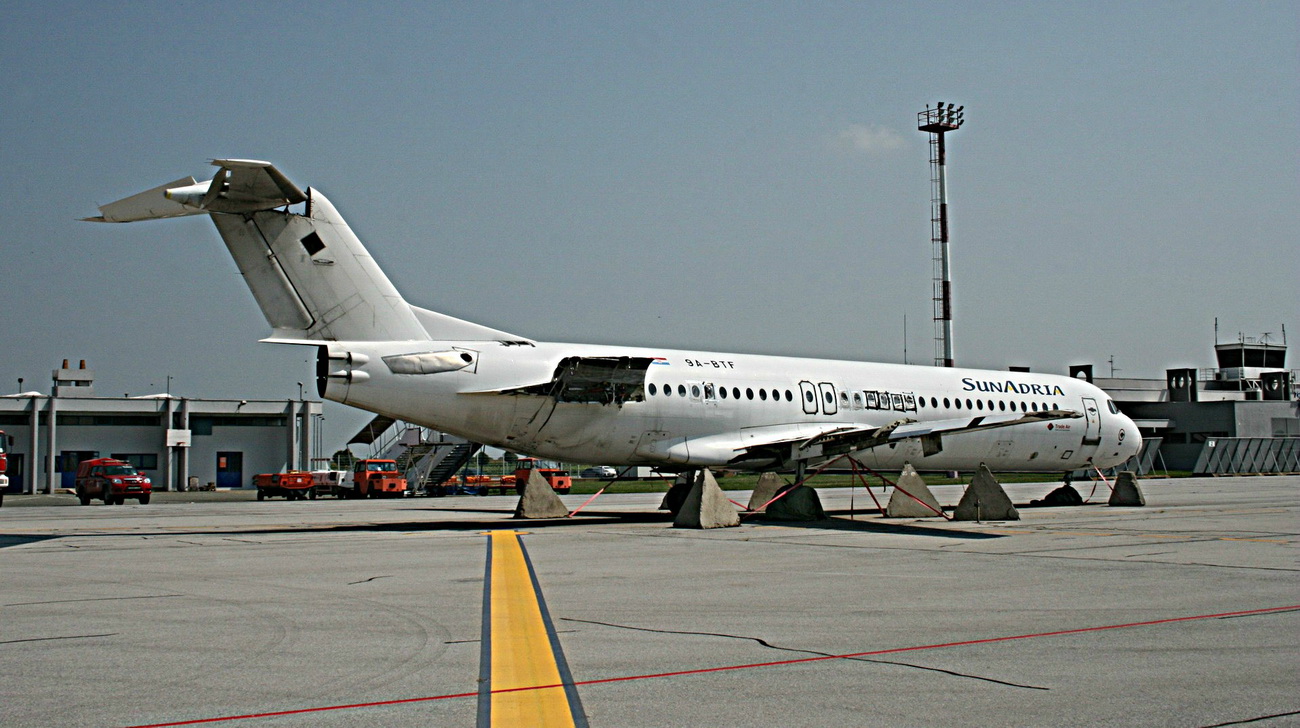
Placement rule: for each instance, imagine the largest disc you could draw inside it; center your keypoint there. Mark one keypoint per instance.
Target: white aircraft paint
(318, 286)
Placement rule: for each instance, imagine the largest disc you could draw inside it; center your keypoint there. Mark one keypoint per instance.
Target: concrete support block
(901, 506)
(676, 494)
(539, 499)
(765, 490)
(1127, 492)
(985, 500)
(800, 503)
(705, 506)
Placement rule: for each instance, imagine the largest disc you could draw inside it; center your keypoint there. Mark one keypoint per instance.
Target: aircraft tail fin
(311, 276)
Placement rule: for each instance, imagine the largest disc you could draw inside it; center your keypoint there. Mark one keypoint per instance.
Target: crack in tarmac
(769, 645)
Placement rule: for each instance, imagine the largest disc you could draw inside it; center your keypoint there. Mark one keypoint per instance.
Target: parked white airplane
(679, 410)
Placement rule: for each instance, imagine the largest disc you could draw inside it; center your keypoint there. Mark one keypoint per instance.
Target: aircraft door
(808, 393)
(829, 406)
(1092, 422)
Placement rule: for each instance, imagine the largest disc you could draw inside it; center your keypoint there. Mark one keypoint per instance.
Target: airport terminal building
(1242, 416)
(178, 442)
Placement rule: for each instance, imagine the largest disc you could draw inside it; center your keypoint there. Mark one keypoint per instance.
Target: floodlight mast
(938, 122)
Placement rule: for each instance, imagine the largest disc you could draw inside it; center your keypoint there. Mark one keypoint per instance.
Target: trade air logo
(1008, 386)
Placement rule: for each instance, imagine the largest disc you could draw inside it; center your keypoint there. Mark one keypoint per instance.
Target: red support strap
(592, 498)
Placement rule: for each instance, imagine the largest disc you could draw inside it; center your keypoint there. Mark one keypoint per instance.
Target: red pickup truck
(293, 485)
(112, 480)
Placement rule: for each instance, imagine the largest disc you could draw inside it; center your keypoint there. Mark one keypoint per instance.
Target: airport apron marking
(1292, 608)
(523, 676)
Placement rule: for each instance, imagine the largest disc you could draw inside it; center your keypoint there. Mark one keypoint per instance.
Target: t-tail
(310, 275)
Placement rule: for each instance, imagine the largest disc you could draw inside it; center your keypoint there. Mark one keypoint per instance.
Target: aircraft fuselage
(697, 409)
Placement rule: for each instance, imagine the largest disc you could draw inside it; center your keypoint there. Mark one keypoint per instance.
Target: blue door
(230, 469)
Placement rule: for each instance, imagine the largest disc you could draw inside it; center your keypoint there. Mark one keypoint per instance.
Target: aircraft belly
(576, 432)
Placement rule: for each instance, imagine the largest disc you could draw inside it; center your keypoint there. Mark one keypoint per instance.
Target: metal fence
(1229, 455)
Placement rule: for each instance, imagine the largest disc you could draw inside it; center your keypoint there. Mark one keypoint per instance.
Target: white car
(602, 472)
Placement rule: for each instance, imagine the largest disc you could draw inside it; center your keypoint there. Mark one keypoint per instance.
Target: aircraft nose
(1131, 440)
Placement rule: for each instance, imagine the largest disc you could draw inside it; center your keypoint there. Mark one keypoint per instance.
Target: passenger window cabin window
(749, 393)
(695, 390)
(957, 403)
(681, 390)
(968, 404)
(668, 390)
(735, 392)
(1034, 405)
(946, 403)
(979, 404)
(1002, 405)
(762, 394)
(788, 396)
(808, 396)
(722, 391)
(652, 390)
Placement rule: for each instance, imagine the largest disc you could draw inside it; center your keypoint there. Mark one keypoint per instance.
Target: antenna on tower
(938, 122)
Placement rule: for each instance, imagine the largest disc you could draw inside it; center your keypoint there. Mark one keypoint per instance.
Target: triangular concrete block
(800, 503)
(676, 494)
(539, 499)
(1127, 492)
(903, 506)
(984, 500)
(764, 491)
(705, 506)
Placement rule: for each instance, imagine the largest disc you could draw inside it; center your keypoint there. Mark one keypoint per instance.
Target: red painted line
(725, 668)
(964, 643)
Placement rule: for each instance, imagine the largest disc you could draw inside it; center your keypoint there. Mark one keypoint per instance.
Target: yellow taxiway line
(523, 677)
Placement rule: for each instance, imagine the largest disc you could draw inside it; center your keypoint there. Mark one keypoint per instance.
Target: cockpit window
(1110, 405)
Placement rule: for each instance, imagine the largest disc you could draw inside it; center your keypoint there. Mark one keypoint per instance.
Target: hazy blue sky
(720, 176)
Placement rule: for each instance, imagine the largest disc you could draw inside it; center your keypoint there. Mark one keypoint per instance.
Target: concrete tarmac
(232, 612)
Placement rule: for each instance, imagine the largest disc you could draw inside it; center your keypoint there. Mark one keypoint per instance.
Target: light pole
(938, 122)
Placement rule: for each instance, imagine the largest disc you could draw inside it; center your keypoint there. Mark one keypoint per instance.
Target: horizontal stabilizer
(239, 186)
(148, 205)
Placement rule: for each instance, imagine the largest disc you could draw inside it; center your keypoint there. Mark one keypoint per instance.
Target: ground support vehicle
(4, 465)
(293, 485)
(333, 482)
(559, 479)
(111, 480)
(377, 478)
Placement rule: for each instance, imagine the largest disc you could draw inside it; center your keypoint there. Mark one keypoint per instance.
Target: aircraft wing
(836, 440)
